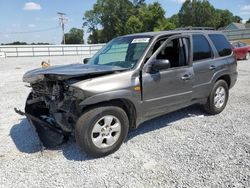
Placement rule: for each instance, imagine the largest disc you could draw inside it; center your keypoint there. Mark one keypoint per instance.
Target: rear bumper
(234, 77)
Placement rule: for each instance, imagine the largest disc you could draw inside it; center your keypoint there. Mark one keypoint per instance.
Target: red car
(241, 50)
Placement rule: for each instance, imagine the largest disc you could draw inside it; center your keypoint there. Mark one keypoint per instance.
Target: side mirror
(86, 60)
(159, 64)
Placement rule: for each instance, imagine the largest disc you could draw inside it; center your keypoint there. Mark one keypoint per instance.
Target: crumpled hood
(63, 72)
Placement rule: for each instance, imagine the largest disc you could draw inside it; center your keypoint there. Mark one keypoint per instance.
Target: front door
(169, 89)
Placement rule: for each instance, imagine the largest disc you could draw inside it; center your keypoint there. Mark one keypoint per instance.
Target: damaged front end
(53, 104)
(52, 108)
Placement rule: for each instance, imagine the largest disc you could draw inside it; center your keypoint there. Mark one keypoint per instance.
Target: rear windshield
(221, 44)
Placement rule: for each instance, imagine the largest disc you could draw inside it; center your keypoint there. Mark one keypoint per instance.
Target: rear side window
(201, 48)
(242, 44)
(236, 45)
(221, 44)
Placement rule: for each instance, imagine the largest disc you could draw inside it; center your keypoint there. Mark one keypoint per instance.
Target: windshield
(122, 52)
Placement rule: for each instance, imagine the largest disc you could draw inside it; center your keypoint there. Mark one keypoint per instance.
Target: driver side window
(176, 51)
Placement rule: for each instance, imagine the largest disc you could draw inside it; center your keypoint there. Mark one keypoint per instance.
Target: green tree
(134, 24)
(237, 19)
(152, 16)
(138, 3)
(248, 21)
(74, 36)
(198, 13)
(174, 19)
(112, 18)
(109, 16)
(96, 37)
(17, 43)
(165, 24)
(226, 17)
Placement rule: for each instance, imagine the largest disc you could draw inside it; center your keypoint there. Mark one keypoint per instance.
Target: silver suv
(132, 79)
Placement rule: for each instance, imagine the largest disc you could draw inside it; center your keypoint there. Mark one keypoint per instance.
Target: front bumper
(49, 136)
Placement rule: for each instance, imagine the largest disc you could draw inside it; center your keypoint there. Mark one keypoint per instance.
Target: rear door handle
(186, 77)
(212, 67)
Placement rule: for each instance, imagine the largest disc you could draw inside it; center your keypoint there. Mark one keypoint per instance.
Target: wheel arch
(226, 78)
(127, 105)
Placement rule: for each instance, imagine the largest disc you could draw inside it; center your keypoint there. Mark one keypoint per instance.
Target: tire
(247, 56)
(212, 107)
(97, 134)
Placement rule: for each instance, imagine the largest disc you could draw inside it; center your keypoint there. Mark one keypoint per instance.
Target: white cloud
(31, 25)
(245, 8)
(179, 1)
(15, 25)
(32, 6)
(6, 36)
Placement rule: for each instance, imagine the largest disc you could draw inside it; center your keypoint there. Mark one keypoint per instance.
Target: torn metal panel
(49, 135)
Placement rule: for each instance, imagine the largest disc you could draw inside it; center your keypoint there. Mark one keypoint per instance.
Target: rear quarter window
(221, 44)
(242, 44)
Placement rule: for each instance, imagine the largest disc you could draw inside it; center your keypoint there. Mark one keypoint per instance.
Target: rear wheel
(218, 97)
(101, 131)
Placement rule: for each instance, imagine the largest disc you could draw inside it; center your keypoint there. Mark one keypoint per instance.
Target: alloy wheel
(106, 131)
(219, 97)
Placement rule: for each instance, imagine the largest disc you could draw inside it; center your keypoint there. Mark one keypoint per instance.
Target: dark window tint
(221, 44)
(175, 52)
(201, 48)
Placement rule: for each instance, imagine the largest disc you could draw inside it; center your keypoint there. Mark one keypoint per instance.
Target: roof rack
(196, 28)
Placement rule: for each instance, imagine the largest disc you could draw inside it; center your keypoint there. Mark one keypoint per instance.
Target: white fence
(237, 34)
(48, 50)
(84, 50)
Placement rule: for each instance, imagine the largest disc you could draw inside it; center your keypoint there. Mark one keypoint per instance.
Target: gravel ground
(182, 149)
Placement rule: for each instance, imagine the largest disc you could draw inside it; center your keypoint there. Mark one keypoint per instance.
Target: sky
(34, 15)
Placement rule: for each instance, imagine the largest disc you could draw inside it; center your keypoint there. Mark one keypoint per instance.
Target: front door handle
(212, 67)
(186, 77)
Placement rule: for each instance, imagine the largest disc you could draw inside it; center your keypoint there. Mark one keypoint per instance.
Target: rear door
(204, 65)
(210, 58)
(169, 89)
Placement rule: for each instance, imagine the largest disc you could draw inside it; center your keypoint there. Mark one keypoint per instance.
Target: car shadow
(25, 137)
(166, 120)
(27, 141)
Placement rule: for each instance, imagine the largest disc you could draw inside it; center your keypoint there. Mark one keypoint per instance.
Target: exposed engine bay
(58, 105)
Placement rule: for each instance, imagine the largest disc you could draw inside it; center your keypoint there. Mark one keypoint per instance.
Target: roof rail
(196, 28)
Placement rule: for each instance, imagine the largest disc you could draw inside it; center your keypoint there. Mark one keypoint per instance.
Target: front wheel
(218, 97)
(101, 131)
